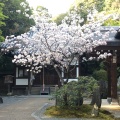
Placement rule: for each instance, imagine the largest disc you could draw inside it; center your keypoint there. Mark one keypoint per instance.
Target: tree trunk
(68, 74)
(65, 99)
(60, 76)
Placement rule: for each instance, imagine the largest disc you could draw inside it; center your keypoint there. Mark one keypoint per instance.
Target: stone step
(40, 91)
(45, 91)
(35, 90)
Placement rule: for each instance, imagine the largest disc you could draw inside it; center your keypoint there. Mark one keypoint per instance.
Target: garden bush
(72, 93)
(100, 75)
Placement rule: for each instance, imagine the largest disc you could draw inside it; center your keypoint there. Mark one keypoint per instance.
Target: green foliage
(82, 9)
(112, 5)
(87, 85)
(83, 6)
(42, 11)
(1, 37)
(88, 67)
(2, 17)
(111, 22)
(72, 93)
(102, 65)
(6, 64)
(18, 20)
(100, 75)
(90, 4)
(100, 5)
(68, 94)
(59, 18)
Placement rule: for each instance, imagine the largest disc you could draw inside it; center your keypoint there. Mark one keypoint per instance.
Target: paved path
(113, 108)
(21, 107)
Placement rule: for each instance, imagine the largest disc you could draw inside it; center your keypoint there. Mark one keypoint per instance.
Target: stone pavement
(113, 108)
(21, 107)
(32, 107)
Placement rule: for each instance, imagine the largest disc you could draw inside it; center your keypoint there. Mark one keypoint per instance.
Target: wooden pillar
(79, 64)
(114, 78)
(29, 85)
(108, 64)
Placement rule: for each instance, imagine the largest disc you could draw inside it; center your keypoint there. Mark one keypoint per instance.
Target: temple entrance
(112, 62)
(46, 76)
(45, 82)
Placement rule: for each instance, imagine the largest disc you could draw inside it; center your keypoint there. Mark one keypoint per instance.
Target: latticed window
(22, 72)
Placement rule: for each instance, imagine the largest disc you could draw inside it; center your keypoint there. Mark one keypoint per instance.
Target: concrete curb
(37, 114)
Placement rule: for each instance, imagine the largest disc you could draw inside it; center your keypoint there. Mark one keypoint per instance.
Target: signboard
(8, 79)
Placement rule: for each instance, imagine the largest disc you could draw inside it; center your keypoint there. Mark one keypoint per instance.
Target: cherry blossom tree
(49, 44)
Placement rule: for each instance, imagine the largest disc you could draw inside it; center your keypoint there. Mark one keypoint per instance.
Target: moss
(83, 111)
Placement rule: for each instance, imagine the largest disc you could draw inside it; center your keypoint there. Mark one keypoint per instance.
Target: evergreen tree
(19, 17)
(2, 17)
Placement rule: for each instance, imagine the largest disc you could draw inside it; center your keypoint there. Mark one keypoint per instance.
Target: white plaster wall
(22, 81)
(69, 80)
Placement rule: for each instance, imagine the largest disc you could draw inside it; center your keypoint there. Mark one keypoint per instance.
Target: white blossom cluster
(46, 43)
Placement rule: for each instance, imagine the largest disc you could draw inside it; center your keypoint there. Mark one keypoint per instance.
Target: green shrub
(87, 84)
(100, 75)
(68, 94)
(72, 93)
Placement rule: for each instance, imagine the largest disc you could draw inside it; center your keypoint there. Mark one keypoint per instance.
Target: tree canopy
(42, 11)
(58, 19)
(19, 17)
(83, 6)
(2, 17)
(46, 43)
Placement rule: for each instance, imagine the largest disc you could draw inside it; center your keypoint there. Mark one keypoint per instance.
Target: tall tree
(58, 19)
(90, 4)
(2, 17)
(83, 6)
(112, 5)
(19, 17)
(42, 11)
(48, 43)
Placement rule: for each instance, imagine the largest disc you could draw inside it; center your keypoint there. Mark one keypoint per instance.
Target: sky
(54, 7)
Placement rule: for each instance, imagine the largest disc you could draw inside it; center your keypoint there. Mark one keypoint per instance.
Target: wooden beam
(105, 47)
(114, 78)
